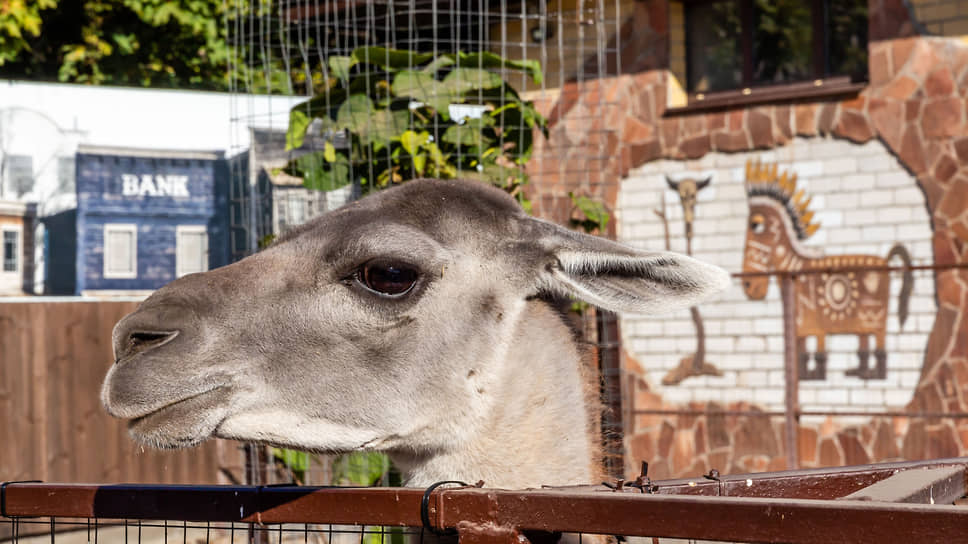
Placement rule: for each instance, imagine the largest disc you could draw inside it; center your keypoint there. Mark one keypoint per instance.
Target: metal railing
(894, 502)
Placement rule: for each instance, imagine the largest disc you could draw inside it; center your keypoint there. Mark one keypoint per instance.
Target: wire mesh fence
(108, 531)
(478, 77)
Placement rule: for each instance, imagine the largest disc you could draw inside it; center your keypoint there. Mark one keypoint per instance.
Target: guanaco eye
(388, 278)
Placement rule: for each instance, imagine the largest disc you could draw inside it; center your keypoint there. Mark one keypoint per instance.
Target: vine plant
(408, 114)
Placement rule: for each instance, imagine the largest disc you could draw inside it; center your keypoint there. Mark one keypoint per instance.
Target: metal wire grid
(102, 531)
(564, 36)
(285, 47)
(107, 531)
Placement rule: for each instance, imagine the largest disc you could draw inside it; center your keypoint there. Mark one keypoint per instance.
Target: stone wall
(914, 106)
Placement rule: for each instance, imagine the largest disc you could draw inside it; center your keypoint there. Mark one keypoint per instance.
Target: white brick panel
(864, 201)
(895, 178)
(842, 165)
(833, 396)
(870, 397)
(768, 396)
(897, 398)
(858, 182)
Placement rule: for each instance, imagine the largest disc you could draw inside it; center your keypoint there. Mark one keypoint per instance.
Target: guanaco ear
(620, 278)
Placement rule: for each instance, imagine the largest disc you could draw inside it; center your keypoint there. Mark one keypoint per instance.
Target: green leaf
(462, 80)
(323, 105)
(486, 59)
(354, 114)
(298, 124)
(297, 461)
(328, 180)
(340, 66)
(266, 240)
(329, 152)
(390, 59)
(412, 141)
(420, 163)
(127, 43)
(423, 88)
(469, 133)
(438, 64)
(440, 160)
(361, 468)
(593, 210)
(320, 174)
(386, 126)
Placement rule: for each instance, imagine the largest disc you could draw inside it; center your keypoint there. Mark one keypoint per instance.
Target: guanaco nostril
(141, 341)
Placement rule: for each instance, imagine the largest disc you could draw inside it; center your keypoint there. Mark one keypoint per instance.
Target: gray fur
(467, 376)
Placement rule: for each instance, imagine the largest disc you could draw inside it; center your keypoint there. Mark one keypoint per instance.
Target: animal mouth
(183, 422)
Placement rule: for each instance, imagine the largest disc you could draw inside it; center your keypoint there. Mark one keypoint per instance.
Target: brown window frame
(820, 87)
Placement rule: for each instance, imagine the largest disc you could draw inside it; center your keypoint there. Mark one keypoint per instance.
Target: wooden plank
(53, 356)
(940, 485)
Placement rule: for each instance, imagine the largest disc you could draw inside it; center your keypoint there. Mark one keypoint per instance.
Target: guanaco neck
(540, 428)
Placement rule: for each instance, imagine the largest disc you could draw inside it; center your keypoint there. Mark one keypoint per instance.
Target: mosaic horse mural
(841, 294)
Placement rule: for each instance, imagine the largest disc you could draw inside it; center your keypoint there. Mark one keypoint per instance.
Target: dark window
(11, 250)
(733, 44)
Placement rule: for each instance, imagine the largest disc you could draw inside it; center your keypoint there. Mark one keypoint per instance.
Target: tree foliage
(158, 43)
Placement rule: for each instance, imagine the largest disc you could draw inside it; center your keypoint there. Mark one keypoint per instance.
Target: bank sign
(154, 185)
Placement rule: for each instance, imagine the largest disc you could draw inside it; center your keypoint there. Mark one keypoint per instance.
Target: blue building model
(144, 218)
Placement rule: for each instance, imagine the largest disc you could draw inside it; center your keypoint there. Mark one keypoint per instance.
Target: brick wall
(864, 200)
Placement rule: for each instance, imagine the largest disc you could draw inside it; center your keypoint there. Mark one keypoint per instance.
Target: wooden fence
(53, 357)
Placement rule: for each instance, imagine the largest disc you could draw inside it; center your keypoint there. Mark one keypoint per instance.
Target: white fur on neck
(539, 427)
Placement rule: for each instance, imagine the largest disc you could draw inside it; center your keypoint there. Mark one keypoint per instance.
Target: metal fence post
(791, 374)
(256, 473)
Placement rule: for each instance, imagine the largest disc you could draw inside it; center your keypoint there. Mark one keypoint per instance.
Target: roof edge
(150, 153)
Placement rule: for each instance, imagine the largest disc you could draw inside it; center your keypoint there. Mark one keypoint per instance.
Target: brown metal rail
(780, 413)
(790, 506)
